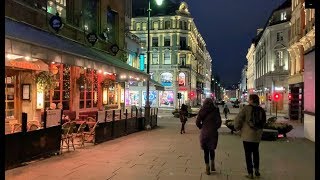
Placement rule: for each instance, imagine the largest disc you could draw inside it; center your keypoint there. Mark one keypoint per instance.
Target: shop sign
(23, 65)
(183, 88)
(279, 88)
(114, 49)
(55, 22)
(92, 38)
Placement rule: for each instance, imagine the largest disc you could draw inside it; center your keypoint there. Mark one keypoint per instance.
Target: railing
(120, 123)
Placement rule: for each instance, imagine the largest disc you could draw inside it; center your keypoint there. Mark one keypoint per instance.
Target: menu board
(53, 117)
(101, 116)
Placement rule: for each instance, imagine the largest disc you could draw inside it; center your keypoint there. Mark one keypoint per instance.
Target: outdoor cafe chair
(8, 128)
(16, 128)
(90, 121)
(91, 134)
(65, 137)
(80, 133)
(33, 127)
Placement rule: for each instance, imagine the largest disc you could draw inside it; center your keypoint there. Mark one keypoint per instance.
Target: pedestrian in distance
(183, 114)
(226, 111)
(250, 122)
(209, 121)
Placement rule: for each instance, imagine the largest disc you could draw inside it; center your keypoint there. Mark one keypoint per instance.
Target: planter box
(25, 146)
(269, 135)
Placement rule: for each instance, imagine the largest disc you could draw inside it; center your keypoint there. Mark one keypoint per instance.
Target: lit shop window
(166, 98)
(152, 98)
(182, 79)
(166, 79)
(57, 6)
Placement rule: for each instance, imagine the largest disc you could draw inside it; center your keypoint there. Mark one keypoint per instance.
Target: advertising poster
(166, 98)
(166, 79)
(152, 98)
(134, 98)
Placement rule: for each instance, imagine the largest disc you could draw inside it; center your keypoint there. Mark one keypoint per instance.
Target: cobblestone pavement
(165, 154)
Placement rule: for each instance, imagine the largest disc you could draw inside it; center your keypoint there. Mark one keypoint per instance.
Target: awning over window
(23, 39)
(158, 86)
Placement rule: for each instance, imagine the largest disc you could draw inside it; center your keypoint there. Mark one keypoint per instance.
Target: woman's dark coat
(209, 121)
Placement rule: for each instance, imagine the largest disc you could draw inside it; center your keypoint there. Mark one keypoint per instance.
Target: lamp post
(147, 107)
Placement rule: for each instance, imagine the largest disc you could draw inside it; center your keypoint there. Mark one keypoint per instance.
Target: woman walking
(183, 117)
(209, 121)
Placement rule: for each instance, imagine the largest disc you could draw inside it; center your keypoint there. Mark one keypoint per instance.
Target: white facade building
(272, 59)
(179, 59)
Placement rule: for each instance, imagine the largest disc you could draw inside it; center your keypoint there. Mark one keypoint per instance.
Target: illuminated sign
(141, 62)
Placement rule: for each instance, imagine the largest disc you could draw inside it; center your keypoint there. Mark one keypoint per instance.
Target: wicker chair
(16, 128)
(8, 128)
(65, 137)
(80, 134)
(90, 136)
(33, 127)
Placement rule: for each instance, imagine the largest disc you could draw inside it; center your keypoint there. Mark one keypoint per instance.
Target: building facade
(272, 59)
(301, 79)
(243, 86)
(251, 69)
(179, 59)
(301, 41)
(68, 53)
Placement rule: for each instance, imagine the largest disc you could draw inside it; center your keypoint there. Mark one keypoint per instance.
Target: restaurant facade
(44, 66)
(62, 67)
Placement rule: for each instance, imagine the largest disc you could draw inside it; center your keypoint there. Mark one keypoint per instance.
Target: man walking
(250, 122)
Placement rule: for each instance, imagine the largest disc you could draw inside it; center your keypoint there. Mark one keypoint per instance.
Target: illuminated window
(183, 59)
(155, 58)
(280, 58)
(283, 16)
(166, 79)
(138, 26)
(156, 25)
(61, 93)
(57, 6)
(144, 26)
(182, 79)
(167, 58)
(89, 93)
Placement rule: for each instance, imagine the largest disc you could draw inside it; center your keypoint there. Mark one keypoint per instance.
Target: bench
(87, 114)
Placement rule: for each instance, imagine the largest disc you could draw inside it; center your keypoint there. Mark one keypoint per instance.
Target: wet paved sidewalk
(165, 154)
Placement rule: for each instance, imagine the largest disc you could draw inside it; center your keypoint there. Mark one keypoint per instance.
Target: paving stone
(164, 154)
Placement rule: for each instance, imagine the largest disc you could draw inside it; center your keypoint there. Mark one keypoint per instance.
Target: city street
(164, 154)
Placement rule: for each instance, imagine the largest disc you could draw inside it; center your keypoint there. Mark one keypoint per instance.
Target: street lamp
(147, 107)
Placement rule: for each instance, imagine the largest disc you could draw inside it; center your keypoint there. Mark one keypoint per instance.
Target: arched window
(166, 79)
(182, 79)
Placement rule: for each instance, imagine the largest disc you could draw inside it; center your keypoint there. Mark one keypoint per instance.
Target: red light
(289, 96)
(276, 97)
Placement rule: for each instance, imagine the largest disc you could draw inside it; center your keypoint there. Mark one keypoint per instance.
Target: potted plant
(230, 125)
(46, 80)
(105, 83)
(83, 81)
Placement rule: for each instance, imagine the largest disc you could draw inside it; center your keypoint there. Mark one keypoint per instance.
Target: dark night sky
(228, 26)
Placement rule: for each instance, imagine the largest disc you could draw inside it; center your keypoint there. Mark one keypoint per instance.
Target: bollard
(24, 122)
(126, 122)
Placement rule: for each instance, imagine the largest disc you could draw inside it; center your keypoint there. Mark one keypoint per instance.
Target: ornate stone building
(179, 59)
